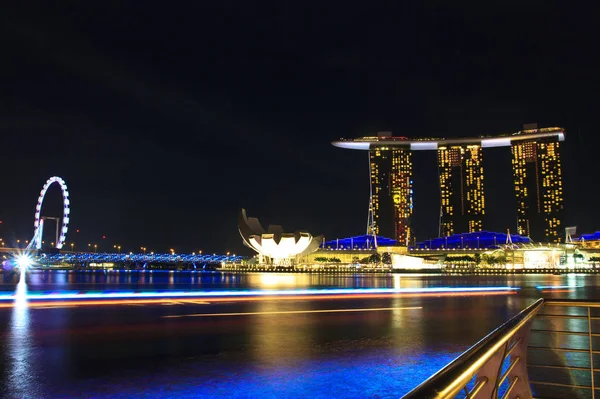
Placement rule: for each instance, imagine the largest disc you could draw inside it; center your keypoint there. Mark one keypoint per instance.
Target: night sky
(165, 118)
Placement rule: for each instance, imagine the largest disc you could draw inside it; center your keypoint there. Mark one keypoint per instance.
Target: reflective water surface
(249, 349)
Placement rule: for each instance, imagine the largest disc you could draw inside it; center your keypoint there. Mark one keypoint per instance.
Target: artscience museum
(273, 245)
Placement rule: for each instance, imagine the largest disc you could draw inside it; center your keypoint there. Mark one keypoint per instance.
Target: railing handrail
(450, 380)
(572, 302)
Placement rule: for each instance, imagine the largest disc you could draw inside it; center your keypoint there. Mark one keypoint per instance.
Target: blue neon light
(358, 242)
(479, 239)
(135, 258)
(556, 287)
(250, 293)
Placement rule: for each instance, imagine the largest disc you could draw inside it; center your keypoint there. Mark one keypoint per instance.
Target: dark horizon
(165, 121)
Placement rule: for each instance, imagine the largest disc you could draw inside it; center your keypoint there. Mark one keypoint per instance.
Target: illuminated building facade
(390, 204)
(274, 246)
(536, 170)
(462, 197)
(537, 174)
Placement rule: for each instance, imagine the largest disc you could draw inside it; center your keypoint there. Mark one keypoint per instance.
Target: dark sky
(165, 118)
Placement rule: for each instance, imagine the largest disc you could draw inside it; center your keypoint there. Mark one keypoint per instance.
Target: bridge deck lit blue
(135, 258)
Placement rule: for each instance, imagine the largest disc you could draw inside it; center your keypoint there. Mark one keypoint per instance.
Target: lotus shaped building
(273, 245)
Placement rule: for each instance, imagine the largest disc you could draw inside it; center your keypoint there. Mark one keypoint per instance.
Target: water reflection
(132, 351)
(21, 377)
(268, 280)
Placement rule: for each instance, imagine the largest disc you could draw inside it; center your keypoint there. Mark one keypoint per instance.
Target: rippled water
(135, 351)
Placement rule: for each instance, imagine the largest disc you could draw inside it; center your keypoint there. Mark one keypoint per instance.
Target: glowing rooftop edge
(250, 293)
(365, 143)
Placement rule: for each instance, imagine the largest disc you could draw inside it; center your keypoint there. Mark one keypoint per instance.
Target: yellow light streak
(290, 312)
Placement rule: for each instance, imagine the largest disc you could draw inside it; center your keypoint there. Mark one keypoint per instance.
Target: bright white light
(495, 142)
(286, 248)
(351, 145)
(424, 146)
(23, 261)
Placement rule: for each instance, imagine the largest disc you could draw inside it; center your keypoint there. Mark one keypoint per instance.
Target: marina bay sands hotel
(536, 169)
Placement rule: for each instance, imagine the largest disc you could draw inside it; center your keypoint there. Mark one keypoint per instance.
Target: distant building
(390, 204)
(536, 170)
(538, 184)
(589, 240)
(274, 246)
(359, 242)
(354, 249)
(461, 189)
(475, 240)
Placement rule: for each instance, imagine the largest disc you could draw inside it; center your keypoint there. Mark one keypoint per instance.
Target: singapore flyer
(36, 241)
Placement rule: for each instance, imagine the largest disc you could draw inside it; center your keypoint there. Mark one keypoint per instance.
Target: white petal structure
(274, 243)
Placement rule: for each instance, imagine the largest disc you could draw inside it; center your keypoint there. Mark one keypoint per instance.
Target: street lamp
(72, 246)
(143, 249)
(95, 247)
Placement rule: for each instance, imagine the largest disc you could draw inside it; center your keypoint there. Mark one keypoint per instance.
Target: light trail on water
(290, 312)
(247, 293)
(202, 298)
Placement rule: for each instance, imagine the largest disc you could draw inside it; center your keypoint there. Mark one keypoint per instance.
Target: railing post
(490, 372)
(518, 372)
(589, 320)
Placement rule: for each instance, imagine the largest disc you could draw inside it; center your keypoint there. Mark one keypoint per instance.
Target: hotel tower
(536, 170)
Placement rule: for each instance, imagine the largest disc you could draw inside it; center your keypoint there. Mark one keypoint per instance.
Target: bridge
(73, 258)
(107, 260)
(86, 258)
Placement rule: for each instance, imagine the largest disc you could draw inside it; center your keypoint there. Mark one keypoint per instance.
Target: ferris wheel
(38, 224)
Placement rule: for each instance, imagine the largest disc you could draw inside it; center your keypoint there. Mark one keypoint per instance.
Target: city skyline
(163, 133)
(536, 168)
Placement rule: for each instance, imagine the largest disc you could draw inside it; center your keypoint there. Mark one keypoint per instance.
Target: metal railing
(543, 354)
(562, 358)
(495, 367)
